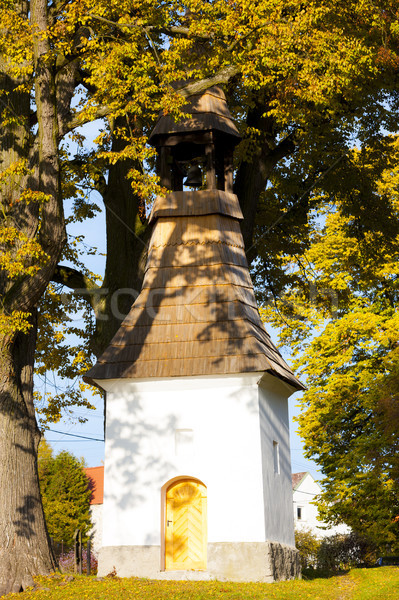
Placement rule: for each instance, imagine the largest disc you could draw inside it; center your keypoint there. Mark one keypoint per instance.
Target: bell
(194, 176)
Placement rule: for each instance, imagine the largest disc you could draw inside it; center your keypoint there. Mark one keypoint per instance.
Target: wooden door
(186, 526)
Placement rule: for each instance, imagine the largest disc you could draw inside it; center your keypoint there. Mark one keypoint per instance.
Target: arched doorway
(185, 525)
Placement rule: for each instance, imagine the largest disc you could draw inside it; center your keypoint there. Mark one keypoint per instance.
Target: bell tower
(198, 152)
(197, 463)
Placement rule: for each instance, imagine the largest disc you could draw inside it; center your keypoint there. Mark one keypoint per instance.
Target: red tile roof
(297, 478)
(96, 484)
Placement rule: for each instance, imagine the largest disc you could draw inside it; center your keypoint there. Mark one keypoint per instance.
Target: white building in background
(305, 490)
(96, 486)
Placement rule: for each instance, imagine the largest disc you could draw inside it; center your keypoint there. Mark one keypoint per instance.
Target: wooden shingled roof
(196, 313)
(208, 110)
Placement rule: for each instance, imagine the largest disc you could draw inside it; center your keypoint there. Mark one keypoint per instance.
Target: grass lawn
(360, 584)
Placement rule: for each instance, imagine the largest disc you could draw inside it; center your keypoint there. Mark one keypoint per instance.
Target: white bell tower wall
(217, 429)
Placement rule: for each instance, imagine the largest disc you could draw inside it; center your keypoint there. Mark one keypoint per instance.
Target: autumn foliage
(312, 88)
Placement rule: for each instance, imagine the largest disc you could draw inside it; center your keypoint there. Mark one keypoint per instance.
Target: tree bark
(127, 233)
(25, 548)
(253, 175)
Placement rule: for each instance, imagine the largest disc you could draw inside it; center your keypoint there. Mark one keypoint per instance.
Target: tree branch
(95, 173)
(76, 120)
(286, 147)
(81, 285)
(222, 76)
(171, 30)
(74, 279)
(57, 7)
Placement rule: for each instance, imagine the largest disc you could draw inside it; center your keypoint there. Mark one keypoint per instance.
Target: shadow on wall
(189, 305)
(196, 315)
(276, 462)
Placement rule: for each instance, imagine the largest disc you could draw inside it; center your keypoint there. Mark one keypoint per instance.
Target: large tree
(339, 313)
(297, 77)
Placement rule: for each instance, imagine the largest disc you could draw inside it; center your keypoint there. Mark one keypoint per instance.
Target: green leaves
(340, 310)
(65, 494)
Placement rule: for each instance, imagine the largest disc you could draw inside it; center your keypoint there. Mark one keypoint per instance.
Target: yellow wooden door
(186, 525)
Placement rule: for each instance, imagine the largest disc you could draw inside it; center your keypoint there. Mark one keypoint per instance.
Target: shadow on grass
(309, 574)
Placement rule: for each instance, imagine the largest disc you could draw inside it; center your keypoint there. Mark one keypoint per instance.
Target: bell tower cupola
(197, 153)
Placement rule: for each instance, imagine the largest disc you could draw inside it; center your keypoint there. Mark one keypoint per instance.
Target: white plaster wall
(277, 486)
(304, 496)
(96, 516)
(225, 455)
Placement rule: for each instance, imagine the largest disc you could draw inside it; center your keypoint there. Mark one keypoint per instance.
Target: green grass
(376, 584)
(359, 584)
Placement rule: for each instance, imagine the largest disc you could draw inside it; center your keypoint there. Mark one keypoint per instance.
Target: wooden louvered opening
(186, 526)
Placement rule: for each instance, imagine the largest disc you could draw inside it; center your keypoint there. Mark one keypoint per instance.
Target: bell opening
(194, 176)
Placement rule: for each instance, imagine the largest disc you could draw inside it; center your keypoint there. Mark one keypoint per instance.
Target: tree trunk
(24, 544)
(25, 548)
(127, 233)
(253, 175)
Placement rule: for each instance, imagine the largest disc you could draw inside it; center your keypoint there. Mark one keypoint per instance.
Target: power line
(72, 441)
(84, 437)
(303, 465)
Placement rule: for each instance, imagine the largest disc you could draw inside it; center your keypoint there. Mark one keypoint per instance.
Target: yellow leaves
(21, 254)
(51, 408)
(356, 242)
(14, 172)
(59, 336)
(15, 42)
(14, 322)
(29, 196)
(335, 347)
(351, 362)
(251, 144)
(295, 53)
(13, 177)
(144, 183)
(388, 334)
(81, 359)
(137, 150)
(388, 183)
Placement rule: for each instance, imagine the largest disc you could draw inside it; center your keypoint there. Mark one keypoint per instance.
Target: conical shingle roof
(196, 313)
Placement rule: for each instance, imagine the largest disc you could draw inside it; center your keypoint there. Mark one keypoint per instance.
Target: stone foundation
(240, 561)
(285, 562)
